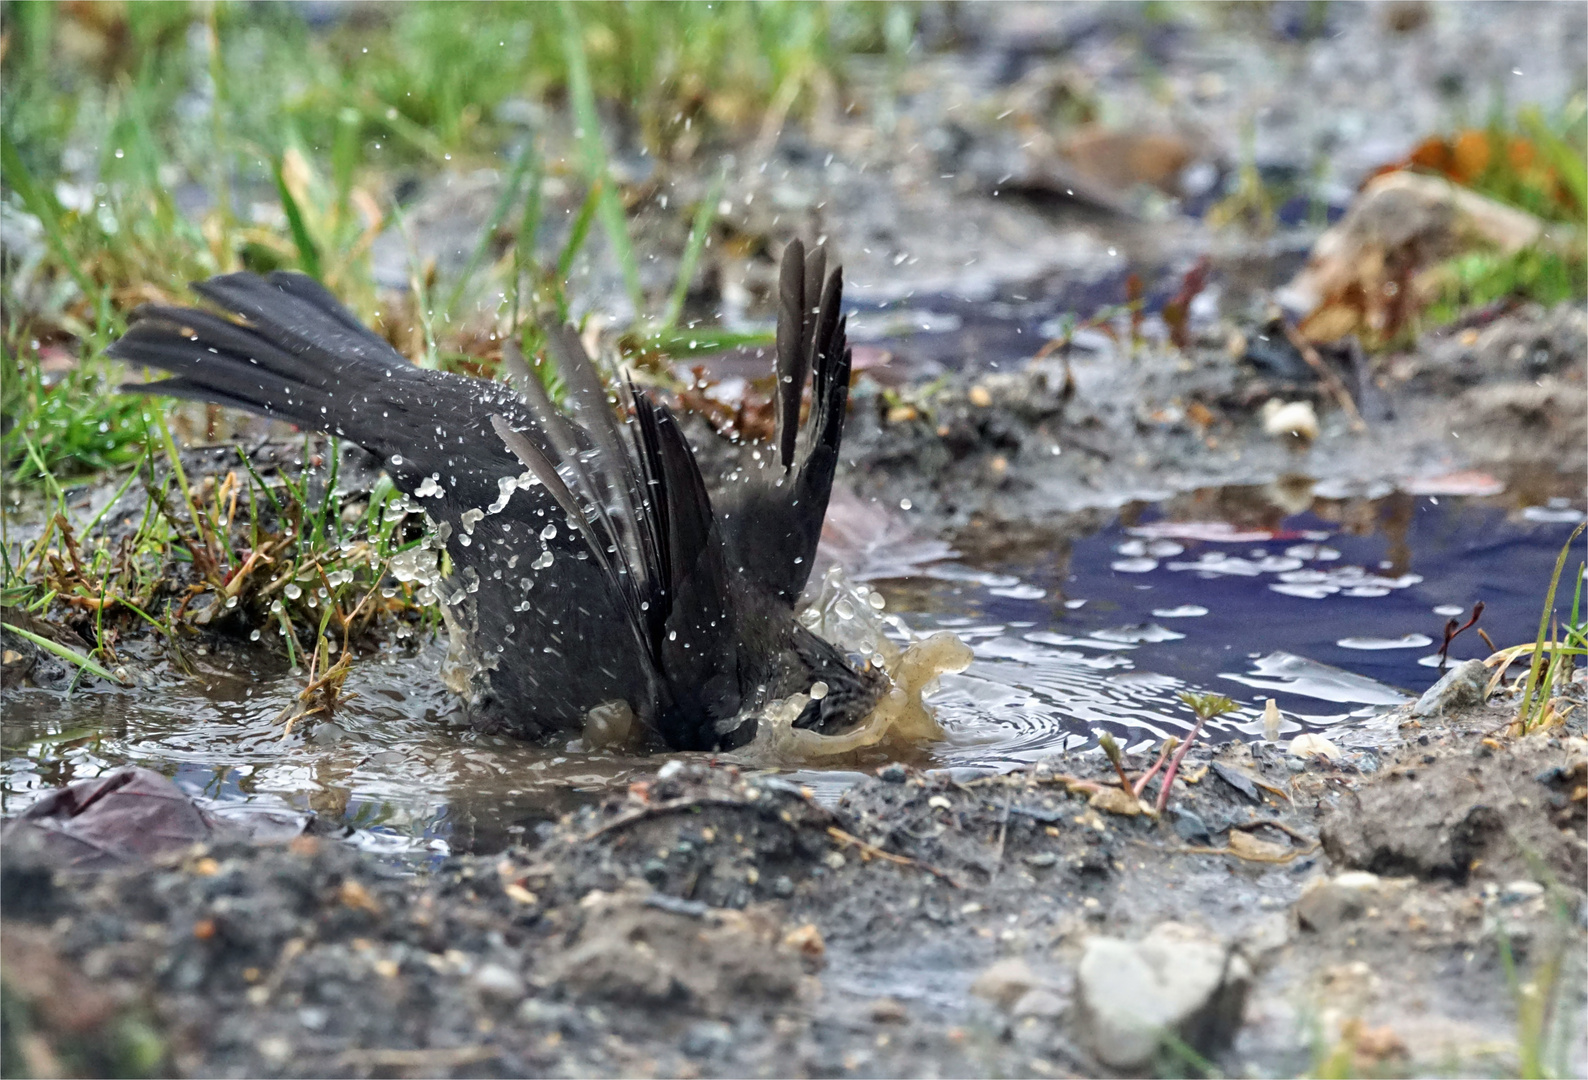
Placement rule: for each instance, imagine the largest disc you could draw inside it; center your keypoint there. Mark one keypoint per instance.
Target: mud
(714, 922)
(1110, 427)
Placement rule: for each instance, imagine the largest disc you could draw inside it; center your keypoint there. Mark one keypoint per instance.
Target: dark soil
(710, 922)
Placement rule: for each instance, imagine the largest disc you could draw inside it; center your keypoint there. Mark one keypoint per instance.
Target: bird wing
(772, 526)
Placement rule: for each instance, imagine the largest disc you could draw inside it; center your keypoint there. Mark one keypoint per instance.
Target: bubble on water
(1133, 566)
(1410, 641)
(1019, 592)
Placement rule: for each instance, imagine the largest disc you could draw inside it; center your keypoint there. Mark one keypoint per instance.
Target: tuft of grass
(149, 145)
(1550, 659)
(232, 552)
(1541, 274)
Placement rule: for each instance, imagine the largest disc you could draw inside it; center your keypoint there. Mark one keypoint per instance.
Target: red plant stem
(1163, 755)
(1174, 765)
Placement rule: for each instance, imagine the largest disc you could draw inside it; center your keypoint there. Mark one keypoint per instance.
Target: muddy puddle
(1334, 607)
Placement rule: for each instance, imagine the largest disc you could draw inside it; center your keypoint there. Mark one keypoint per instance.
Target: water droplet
(292, 591)
(818, 690)
(549, 532)
(254, 636)
(844, 609)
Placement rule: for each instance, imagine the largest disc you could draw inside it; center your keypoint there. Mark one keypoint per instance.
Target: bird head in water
(591, 569)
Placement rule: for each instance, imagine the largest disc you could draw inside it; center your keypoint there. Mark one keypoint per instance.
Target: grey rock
(1176, 982)
(497, 983)
(1327, 902)
(541, 1011)
(709, 1038)
(1517, 891)
(1461, 685)
(1237, 780)
(1005, 982)
(1040, 1002)
(1191, 828)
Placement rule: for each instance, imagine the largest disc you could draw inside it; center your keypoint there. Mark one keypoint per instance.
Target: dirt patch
(709, 921)
(1112, 426)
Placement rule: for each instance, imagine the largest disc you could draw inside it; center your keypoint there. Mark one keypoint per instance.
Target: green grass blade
(114, 499)
(1524, 716)
(578, 233)
(582, 95)
(706, 340)
(71, 656)
(527, 160)
(308, 253)
(699, 233)
(528, 229)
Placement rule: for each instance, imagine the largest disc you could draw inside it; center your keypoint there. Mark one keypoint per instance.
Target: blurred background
(455, 171)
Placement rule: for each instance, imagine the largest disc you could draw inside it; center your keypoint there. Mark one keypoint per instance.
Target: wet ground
(1106, 527)
(1336, 612)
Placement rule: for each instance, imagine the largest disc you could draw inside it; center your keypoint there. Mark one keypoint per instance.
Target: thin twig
(873, 851)
(1330, 380)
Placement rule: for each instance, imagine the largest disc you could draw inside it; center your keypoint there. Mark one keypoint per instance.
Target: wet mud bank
(1102, 428)
(1411, 908)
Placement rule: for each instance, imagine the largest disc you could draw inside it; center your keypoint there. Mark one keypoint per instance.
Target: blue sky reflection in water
(1334, 619)
(1167, 606)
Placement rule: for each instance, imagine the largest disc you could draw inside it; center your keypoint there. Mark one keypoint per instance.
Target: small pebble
(497, 983)
(889, 1011)
(1518, 891)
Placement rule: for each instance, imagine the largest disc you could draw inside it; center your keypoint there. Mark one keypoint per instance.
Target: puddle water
(1334, 610)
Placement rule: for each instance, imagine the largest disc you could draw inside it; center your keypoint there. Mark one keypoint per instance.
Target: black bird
(603, 575)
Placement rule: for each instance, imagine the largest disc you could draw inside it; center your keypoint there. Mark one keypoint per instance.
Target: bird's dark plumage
(591, 567)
